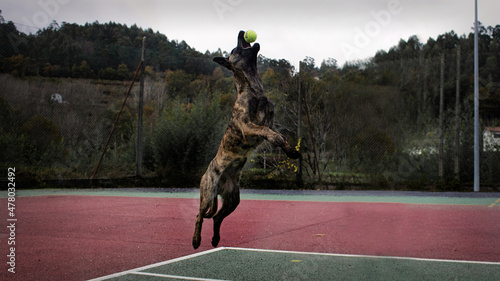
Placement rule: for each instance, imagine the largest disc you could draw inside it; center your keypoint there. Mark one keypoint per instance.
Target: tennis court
(257, 264)
(145, 234)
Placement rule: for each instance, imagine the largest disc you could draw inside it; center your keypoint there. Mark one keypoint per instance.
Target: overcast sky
(290, 29)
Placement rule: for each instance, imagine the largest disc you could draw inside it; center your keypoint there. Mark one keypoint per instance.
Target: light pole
(476, 103)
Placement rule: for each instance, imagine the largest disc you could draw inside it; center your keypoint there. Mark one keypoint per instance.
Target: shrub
(42, 139)
(185, 141)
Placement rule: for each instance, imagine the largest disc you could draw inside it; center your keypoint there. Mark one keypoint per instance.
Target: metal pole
(299, 114)
(116, 122)
(457, 119)
(299, 126)
(140, 113)
(265, 162)
(441, 121)
(476, 103)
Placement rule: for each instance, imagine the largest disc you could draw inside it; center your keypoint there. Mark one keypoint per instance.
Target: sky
(287, 29)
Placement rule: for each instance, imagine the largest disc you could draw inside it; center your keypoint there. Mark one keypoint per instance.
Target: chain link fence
(397, 124)
(406, 122)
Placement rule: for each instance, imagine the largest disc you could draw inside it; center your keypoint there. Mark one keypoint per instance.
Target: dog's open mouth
(245, 44)
(241, 41)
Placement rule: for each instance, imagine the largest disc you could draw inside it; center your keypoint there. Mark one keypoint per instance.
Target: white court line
(362, 256)
(135, 270)
(175, 276)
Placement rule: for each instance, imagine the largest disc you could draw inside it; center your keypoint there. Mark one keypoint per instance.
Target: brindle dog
(250, 124)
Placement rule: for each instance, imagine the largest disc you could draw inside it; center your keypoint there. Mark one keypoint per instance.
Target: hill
(374, 122)
(72, 50)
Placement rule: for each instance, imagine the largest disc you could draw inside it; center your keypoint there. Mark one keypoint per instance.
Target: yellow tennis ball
(250, 36)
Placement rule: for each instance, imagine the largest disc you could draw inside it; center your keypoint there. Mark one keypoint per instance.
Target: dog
(250, 124)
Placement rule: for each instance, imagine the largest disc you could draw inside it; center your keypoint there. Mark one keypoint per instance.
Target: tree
(18, 65)
(329, 64)
(123, 73)
(176, 83)
(108, 73)
(85, 70)
(12, 42)
(308, 65)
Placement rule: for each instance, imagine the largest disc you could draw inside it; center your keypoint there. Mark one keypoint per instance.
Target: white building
(491, 139)
(56, 98)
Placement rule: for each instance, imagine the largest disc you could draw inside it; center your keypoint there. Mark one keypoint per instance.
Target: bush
(185, 141)
(43, 140)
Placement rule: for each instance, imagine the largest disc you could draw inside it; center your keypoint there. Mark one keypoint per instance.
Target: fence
(412, 124)
(399, 124)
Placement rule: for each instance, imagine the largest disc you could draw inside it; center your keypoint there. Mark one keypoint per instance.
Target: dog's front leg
(272, 136)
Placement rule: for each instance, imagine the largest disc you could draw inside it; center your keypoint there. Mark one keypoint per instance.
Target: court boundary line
(362, 256)
(495, 203)
(175, 276)
(134, 270)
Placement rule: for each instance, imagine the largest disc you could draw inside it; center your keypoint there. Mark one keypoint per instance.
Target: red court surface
(72, 237)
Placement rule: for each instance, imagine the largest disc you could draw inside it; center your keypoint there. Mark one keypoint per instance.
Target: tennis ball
(250, 36)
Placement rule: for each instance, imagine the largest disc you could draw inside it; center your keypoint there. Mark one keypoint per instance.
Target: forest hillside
(402, 119)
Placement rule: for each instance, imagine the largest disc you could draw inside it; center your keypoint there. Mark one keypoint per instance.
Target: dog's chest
(256, 110)
(260, 110)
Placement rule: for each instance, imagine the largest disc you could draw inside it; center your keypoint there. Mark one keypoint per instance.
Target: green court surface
(408, 197)
(255, 264)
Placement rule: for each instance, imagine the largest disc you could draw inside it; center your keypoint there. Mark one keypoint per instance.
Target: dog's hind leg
(204, 205)
(208, 206)
(230, 200)
(208, 200)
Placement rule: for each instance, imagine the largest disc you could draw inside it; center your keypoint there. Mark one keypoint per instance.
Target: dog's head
(243, 58)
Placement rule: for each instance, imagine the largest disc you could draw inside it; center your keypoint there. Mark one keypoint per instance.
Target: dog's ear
(223, 61)
(241, 40)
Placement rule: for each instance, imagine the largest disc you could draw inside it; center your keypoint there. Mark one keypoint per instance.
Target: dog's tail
(213, 209)
(209, 189)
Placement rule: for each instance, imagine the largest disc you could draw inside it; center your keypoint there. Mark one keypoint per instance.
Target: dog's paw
(291, 152)
(215, 241)
(196, 243)
(294, 154)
